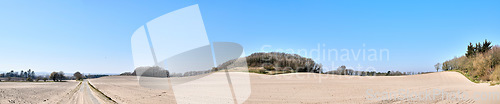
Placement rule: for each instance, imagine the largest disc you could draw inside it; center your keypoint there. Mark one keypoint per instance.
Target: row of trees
(342, 70)
(55, 76)
(480, 62)
(59, 76)
(22, 74)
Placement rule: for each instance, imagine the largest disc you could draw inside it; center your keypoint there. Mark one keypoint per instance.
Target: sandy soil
(442, 87)
(34, 92)
(84, 94)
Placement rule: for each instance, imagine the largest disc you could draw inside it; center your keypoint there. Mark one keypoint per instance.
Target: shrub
(495, 76)
(268, 66)
(480, 64)
(29, 79)
(257, 70)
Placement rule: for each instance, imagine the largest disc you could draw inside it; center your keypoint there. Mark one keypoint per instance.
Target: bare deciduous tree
(437, 66)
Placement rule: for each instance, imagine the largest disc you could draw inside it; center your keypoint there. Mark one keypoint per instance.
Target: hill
(278, 61)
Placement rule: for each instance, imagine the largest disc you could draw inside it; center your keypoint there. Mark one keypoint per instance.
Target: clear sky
(94, 35)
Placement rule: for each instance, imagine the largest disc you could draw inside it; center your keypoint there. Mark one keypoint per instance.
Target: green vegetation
(466, 76)
(480, 63)
(257, 70)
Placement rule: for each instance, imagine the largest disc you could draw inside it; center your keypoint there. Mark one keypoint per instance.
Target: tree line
(342, 70)
(480, 62)
(30, 76)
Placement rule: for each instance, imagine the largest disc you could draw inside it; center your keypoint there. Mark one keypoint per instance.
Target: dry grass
(481, 67)
(495, 76)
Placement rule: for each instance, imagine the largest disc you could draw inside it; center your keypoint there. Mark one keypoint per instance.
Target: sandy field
(441, 87)
(35, 92)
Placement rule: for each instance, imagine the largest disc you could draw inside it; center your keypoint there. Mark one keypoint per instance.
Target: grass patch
(278, 72)
(472, 79)
(475, 80)
(494, 83)
(257, 70)
(109, 98)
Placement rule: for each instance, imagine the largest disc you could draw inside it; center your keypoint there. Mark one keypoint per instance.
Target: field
(35, 92)
(442, 87)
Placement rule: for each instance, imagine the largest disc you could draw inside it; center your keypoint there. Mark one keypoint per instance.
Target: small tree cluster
(478, 48)
(279, 61)
(57, 76)
(480, 62)
(78, 76)
(151, 71)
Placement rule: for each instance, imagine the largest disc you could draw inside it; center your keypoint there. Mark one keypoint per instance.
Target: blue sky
(94, 35)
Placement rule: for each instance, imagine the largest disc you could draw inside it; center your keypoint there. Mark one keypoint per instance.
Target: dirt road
(85, 94)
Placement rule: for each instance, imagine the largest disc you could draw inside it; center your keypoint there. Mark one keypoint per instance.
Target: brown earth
(441, 87)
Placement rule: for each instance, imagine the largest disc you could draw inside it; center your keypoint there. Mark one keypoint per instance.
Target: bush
(268, 66)
(495, 76)
(480, 65)
(257, 70)
(29, 79)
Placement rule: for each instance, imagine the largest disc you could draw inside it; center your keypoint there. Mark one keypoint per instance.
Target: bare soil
(34, 92)
(442, 87)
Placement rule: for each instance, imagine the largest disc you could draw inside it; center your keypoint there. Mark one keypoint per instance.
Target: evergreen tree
(486, 46)
(470, 50)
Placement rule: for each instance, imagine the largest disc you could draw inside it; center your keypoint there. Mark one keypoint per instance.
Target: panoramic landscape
(249, 52)
(277, 84)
